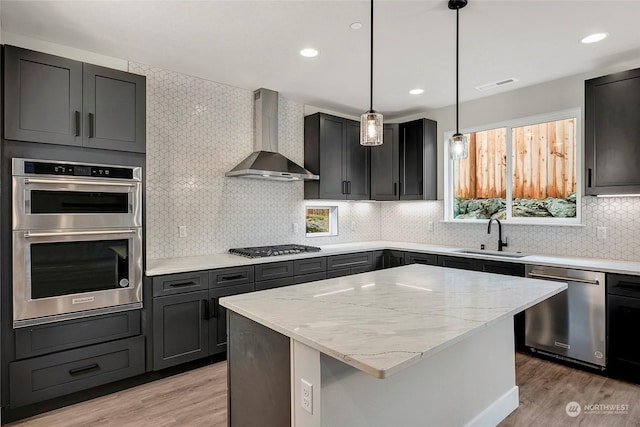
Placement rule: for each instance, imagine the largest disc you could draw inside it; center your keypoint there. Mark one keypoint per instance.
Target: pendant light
(371, 122)
(458, 144)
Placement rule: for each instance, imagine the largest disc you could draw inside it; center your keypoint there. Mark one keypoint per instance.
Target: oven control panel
(74, 169)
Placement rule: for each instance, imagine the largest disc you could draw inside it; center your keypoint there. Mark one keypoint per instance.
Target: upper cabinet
(60, 101)
(612, 132)
(405, 166)
(332, 150)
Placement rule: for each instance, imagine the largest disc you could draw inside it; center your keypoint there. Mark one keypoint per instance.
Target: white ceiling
(253, 44)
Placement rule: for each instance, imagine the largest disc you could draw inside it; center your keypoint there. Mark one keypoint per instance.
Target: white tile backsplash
(197, 130)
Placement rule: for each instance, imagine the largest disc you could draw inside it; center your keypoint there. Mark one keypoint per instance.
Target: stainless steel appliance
(571, 324)
(263, 251)
(77, 240)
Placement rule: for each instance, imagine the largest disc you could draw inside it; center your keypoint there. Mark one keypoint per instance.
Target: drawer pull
(182, 284)
(215, 312)
(233, 277)
(83, 369)
(205, 309)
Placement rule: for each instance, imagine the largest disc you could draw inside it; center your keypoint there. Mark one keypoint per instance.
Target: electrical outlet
(294, 228)
(182, 231)
(430, 225)
(601, 233)
(306, 394)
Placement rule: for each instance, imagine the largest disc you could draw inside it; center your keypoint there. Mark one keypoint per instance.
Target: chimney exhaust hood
(265, 162)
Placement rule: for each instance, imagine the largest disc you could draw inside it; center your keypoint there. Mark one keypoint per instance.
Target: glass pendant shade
(371, 128)
(458, 147)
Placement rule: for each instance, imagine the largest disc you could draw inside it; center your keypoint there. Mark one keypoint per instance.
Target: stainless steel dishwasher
(571, 324)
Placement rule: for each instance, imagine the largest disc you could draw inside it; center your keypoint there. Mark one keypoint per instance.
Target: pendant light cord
(457, 72)
(371, 64)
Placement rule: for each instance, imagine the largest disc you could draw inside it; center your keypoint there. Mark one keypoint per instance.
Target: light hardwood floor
(198, 399)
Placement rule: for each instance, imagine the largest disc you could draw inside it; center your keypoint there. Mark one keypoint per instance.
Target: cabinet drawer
(231, 276)
(461, 263)
(308, 266)
(309, 277)
(52, 337)
(54, 375)
(622, 284)
(350, 260)
(338, 273)
(418, 258)
(274, 283)
(273, 270)
(178, 283)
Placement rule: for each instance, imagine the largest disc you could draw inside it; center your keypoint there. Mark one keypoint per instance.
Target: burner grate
(264, 251)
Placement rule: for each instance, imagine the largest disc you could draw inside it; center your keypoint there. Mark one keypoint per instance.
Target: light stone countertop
(384, 321)
(207, 262)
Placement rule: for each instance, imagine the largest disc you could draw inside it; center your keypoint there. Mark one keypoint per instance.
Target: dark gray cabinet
(501, 267)
(459, 262)
(332, 150)
(188, 321)
(420, 258)
(56, 359)
(388, 258)
(60, 101)
(347, 264)
(405, 166)
(612, 132)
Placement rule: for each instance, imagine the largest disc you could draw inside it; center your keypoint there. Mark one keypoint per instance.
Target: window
(321, 221)
(524, 171)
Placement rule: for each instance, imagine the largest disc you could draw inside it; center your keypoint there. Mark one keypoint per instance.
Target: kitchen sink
(491, 253)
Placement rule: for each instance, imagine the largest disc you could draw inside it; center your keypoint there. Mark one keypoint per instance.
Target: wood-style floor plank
(198, 399)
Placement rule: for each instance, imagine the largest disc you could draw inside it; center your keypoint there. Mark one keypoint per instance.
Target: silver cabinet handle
(77, 182)
(564, 279)
(29, 234)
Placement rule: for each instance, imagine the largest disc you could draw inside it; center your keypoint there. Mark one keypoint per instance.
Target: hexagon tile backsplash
(198, 129)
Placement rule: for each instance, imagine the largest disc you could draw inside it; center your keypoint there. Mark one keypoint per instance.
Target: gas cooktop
(262, 251)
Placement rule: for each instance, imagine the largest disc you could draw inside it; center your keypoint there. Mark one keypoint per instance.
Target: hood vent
(265, 162)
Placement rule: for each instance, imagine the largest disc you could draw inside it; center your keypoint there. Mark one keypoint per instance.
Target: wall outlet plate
(306, 395)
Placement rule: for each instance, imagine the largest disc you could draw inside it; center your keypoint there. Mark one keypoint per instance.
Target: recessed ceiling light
(416, 91)
(594, 38)
(356, 26)
(309, 52)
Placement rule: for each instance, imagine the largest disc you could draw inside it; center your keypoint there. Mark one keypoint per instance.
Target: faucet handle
(505, 242)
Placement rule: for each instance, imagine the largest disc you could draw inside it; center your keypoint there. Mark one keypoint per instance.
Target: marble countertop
(207, 262)
(384, 321)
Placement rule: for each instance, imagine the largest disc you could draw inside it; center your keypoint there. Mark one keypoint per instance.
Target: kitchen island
(409, 346)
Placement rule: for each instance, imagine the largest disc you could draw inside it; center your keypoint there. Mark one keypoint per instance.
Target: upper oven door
(45, 203)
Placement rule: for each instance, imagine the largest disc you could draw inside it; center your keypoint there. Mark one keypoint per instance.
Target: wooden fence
(544, 162)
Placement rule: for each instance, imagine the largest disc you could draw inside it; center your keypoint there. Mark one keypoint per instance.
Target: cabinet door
(385, 166)
(43, 97)
(411, 160)
(612, 132)
(500, 267)
(180, 328)
(333, 131)
(114, 107)
(461, 263)
(419, 258)
(358, 164)
(218, 320)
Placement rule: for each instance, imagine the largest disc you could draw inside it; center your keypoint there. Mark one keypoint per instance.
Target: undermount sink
(491, 253)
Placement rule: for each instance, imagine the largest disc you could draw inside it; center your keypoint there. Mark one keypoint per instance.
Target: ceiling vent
(496, 84)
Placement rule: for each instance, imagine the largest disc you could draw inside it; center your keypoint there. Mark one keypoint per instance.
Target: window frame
(572, 113)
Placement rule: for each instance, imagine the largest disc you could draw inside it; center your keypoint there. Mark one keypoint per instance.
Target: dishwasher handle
(564, 279)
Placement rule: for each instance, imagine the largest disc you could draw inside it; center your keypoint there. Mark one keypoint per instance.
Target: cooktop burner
(262, 251)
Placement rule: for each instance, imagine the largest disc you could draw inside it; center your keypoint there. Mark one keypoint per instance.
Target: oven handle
(78, 182)
(564, 279)
(29, 234)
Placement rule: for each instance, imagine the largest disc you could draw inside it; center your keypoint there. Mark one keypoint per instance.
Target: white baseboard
(498, 410)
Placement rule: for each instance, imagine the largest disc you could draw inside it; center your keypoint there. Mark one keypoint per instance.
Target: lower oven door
(61, 274)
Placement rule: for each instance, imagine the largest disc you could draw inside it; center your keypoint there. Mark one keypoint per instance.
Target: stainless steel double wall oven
(76, 239)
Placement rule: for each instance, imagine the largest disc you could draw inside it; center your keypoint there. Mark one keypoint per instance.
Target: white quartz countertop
(207, 262)
(384, 321)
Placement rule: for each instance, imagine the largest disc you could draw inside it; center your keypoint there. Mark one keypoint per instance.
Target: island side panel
(259, 375)
(471, 383)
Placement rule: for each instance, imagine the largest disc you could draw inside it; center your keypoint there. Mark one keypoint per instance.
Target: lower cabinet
(190, 324)
(388, 258)
(420, 258)
(56, 359)
(459, 262)
(345, 265)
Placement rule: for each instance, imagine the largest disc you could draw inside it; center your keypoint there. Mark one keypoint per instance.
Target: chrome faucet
(501, 244)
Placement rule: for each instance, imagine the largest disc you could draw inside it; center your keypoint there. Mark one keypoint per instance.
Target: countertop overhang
(222, 260)
(384, 321)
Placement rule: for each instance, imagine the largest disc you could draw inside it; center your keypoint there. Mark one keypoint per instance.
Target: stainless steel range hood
(265, 162)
